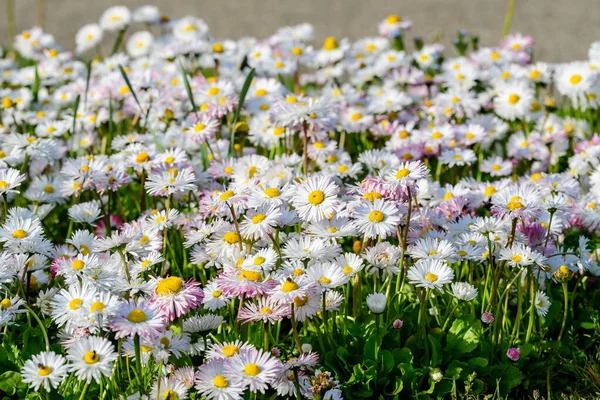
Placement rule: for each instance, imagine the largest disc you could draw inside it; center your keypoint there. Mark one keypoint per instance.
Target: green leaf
(9, 381)
(402, 356)
(510, 379)
(455, 369)
(436, 351)
(372, 347)
(236, 115)
(463, 336)
(188, 89)
(387, 362)
(587, 325)
(478, 361)
(124, 74)
(35, 88)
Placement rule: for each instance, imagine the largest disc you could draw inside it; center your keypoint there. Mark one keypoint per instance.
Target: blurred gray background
(562, 29)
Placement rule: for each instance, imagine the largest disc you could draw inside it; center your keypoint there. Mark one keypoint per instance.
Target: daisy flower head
(377, 219)
(430, 274)
(496, 166)
(88, 37)
(542, 303)
(266, 310)
(326, 275)
(408, 173)
(376, 302)
(170, 389)
(464, 291)
(142, 318)
(115, 18)
(170, 181)
(229, 350)
(316, 198)
(254, 369)
(458, 157)
(10, 179)
(517, 202)
(215, 382)
(46, 370)
(175, 297)
(91, 357)
(513, 100)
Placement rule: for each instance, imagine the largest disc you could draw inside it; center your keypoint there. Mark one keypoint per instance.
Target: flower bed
(189, 217)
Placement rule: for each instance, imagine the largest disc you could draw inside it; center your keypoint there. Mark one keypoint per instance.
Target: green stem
(508, 17)
(138, 360)
(566, 311)
(84, 391)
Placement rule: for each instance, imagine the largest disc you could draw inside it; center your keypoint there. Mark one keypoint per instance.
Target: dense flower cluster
(204, 218)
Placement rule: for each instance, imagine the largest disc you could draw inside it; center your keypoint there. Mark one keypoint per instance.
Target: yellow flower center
(213, 91)
(347, 270)
(431, 277)
(49, 189)
(75, 304)
(19, 234)
(372, 196)
(261, 92)
(324, 280)
(226, 195)
(252, 369)
(137, 316)
(253, 276)
(170, 395)
(142, 157)
(289, 286)
(514, 99)
(265, 310)
(376, 216)
(436, 135)
(496, 167)
(575, 79)
(231, 237)
(272, 192)
(489, 191)
(220, 381)
(515, 203)
(356, 116)
(44, 370)
(97, 306)
(319, 145)
(316, 197)
(300, 301)
(230, 350)
(216, 293)
(170, 285)
(392, 19)
(5, 303)
(330, 43)
(217, 47)
(517, 258)
(448, 196)
(258, 218)
(91, 357)
(259, 260)
(78, 265)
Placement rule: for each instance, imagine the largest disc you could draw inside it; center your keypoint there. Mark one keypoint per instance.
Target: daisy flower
(215, 382)
(430, 274)
(377, 219)
(315, 199)
(513, 101)
(170, 389)
(255, 369)
(266, 310)
(46, 370)
(91, 357)
(9, 179)
(143, 319)
(464, 291)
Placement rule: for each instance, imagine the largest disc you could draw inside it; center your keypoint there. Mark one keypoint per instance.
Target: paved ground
(563, 29)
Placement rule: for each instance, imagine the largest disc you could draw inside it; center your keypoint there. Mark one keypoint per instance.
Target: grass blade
(188, 89)
(236, 115)
(130, 87)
